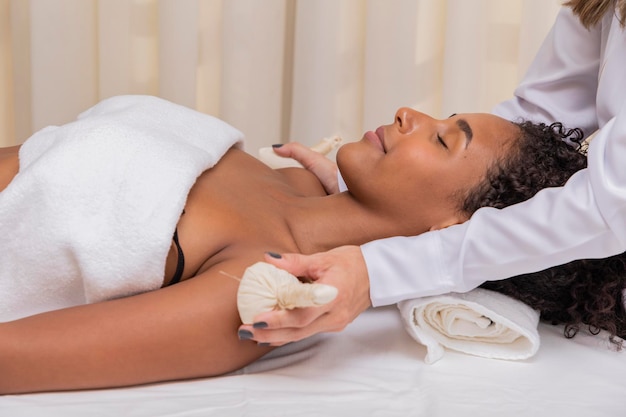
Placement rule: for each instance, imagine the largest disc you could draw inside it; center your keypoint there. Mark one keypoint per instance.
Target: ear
(451, 221)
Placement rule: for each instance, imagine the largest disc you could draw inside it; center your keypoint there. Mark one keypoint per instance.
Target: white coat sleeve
(584, 219)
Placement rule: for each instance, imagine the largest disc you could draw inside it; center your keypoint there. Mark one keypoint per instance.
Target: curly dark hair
(584, 293)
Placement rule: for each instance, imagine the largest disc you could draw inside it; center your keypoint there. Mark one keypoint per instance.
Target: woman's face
(414, 169)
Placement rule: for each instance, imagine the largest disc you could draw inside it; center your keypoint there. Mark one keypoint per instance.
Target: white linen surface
(372, 368)
(479, 322)
(91, 214)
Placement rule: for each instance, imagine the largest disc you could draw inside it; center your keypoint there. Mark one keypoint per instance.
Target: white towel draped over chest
(91, 214)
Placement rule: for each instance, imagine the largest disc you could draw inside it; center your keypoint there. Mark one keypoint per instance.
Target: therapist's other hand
(343, 268)
(322, 167)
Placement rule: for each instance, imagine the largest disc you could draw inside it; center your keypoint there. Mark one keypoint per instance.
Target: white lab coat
(578, 78)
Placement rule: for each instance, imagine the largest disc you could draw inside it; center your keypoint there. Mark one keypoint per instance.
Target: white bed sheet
(372, 368)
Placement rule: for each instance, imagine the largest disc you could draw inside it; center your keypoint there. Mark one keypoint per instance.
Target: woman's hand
(343, 268)
(323, 168)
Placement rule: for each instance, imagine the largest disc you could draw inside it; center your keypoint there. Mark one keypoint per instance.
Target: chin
(355, 165)
(345, 159)
(356, 151)
(348, 158)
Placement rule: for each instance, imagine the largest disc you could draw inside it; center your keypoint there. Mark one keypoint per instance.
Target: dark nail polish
(263, 344)
(244, 334)
(277, 145)
(260, 325)
(274, 255)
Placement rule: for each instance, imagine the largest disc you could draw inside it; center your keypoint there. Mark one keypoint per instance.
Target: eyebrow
(465, 127)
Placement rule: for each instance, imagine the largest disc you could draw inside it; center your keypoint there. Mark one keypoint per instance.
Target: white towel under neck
(480, 322)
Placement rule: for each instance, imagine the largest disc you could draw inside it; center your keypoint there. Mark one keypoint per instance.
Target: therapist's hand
(323, 168)
(343, 268)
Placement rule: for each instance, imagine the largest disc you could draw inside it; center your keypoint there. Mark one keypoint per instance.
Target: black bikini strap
(180, 265)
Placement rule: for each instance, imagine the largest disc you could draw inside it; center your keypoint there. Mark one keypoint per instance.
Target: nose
(407, 119)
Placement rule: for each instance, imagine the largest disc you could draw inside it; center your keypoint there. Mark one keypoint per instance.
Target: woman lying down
(118, 229)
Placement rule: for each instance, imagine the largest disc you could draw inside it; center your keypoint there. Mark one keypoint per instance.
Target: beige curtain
(278, 70)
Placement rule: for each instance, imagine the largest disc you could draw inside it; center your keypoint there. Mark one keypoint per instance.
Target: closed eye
(440, 139)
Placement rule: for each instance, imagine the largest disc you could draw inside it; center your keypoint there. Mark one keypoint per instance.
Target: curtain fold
(7, 117)
(404, 58)
(278, 70)
(328, 69)
(127, 47)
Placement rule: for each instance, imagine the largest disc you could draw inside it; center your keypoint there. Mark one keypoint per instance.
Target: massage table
(372, 368)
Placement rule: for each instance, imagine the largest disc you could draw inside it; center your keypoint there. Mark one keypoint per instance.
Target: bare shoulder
(9, 165)
(239, 164)
(239, 205)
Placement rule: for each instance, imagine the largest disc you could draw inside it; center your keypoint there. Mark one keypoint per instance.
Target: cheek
(415, 172)
(425, 183)
(408, 183)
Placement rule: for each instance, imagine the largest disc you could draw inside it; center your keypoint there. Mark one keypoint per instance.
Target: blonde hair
(591, 11)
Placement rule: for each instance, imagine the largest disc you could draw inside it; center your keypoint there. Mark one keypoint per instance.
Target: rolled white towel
(480, 322)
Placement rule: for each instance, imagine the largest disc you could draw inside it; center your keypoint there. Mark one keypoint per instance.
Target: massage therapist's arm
(491, 246)
(583, 219)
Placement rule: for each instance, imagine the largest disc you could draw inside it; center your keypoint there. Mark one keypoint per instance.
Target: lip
(380, 132)
(377, 138)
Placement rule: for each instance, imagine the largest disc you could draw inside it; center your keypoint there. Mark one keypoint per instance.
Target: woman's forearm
(9, 367)
(185, 331)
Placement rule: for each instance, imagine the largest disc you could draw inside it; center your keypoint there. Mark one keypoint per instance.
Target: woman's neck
(322, 223)
(313, 221)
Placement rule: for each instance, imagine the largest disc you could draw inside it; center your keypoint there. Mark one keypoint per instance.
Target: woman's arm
(184, 331)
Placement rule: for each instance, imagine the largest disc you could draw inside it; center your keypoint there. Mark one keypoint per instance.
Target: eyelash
(441, 141)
